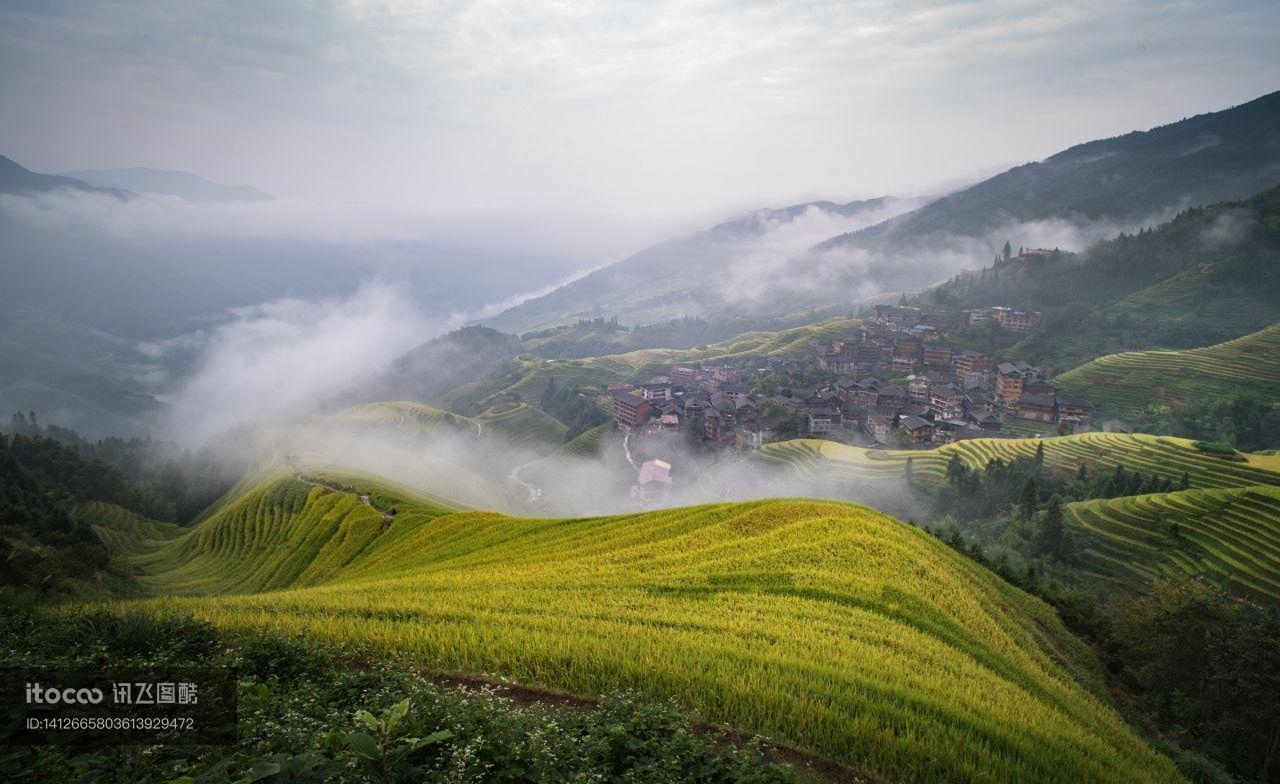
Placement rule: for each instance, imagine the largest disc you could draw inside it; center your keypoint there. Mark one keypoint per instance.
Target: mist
(458, 464)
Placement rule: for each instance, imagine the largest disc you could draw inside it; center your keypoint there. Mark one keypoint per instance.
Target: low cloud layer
(283, 359)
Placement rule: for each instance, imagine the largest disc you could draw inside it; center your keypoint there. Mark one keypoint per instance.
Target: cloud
(640, 107)
(285, 358)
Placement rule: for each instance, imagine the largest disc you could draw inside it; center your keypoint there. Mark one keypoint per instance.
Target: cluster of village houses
(896, 381)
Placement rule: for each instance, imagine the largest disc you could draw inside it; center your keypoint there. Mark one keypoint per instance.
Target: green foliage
(285, 659)
(1215, 448)
(348, 725)
(1209, 666)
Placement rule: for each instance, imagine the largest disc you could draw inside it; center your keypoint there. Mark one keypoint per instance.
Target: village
(894, 381)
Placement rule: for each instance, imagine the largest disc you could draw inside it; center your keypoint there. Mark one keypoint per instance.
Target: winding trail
(387, 517)
(626, 450)
(535, 492)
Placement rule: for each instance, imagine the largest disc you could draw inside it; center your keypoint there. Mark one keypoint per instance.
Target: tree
(908, 472)
(1039, 455)
(1029, 500)
(1051, 539)
(1165, 639)
(1007, 251)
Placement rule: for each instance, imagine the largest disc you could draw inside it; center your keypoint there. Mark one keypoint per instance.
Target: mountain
(1222, 156)
(19, 181)
(712, 272)
(826, 626)
(185, 185)
(1072, 199)
(1209, 275)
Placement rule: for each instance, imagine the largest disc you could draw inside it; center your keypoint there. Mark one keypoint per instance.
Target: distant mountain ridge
(185, 185)
(679, 277)
(1090, 191)
(17, 180)
(1220, 156)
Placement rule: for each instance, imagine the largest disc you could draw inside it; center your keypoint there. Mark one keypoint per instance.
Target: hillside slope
(1230, 536)
(1167, 456)
(1209, 275)
(1219, 156)
(1125, 383)
(1227, 525)
(1093, 190)
(701, 274)
(184, 185)
(825, 625)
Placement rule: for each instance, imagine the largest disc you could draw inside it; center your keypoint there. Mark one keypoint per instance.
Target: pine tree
(1039, 455)
(1051, 541)
(1007, 251)
(1186, 481)
(1029, 500)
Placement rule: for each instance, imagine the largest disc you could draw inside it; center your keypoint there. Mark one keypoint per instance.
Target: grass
(1126, 383)
(825, 625)
(1231, 536)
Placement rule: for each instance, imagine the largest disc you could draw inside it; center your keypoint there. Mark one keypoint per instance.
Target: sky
(643, 109)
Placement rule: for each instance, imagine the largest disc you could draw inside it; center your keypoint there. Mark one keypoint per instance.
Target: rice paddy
(1126, 383)
(1230, 536)
(825, 625)
(1166, 456)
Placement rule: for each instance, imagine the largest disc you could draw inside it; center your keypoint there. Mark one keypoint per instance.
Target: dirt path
(387, 517)
(535, 492)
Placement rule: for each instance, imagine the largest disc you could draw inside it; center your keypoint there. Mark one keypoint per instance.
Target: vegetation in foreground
(306, 716)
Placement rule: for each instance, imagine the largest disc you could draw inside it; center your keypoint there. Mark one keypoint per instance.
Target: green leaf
(367, 719)
(364, 746)
(396, 713)
(437, 737)
(262, 770)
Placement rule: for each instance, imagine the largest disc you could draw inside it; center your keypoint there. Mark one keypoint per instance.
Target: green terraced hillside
(124, 532)
(404, 417)
(825, 625)
(1147, 454)
(1125, 383)
(522, 425)
(1231, 536)
(536, 373)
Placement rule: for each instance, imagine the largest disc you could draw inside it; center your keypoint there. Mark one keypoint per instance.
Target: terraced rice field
(404, 417)
(1166, 456)
(124, 532)
(821, 624)
(646, 363)
(522, 426)
(1230, 536)
(588, 444)
(1126, 383)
